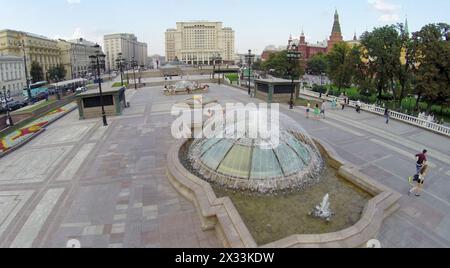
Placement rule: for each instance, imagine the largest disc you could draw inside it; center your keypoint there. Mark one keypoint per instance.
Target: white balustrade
(396, 115)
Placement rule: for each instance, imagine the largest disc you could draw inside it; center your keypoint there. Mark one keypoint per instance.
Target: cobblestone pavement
(107, 187)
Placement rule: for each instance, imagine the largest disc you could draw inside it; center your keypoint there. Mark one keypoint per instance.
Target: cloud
(73, 2)
(389, 12)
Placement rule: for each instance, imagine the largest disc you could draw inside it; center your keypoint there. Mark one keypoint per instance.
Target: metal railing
(394, 115)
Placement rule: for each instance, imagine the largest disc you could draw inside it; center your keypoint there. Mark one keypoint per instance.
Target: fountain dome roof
(258, 164)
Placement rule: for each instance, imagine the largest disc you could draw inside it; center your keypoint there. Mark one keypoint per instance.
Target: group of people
(318, 112)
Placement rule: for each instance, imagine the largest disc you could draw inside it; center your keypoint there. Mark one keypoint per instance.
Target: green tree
(342, 64)
(431, 50)
(36, 72)
(382, 52)
(280, 66)
(257, 65)
(318, 64)
(57, 73)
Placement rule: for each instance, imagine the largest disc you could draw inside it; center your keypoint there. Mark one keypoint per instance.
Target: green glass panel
(299, 149)
(216, 154)
(265, 164)
(289, 160)
(237, 162)
(207, 145)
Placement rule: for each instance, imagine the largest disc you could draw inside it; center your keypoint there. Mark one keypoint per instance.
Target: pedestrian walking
(322, 109)
(421, 160)
(387, 115)
(308, 109)
(317, 112)
(343, 102)
(418, 181)
(358, 106)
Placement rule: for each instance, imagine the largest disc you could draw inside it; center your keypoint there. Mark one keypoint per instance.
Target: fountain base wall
(220, 214)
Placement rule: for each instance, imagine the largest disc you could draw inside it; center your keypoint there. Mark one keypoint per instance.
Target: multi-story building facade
(199, 42)
(12, 74)
(35, 47)
(75, 56)
(128, 45)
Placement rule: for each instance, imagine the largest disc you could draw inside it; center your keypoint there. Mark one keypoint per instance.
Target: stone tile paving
(119, 195)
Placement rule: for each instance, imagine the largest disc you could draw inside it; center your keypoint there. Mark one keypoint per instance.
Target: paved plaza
(107, 186)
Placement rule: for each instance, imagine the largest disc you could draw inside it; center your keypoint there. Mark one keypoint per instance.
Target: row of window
(9, 76)
(11, 65)
(14, 88)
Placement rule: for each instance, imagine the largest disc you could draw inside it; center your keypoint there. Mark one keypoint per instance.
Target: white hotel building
(198, 42)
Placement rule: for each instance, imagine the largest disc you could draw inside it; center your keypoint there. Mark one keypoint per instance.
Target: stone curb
(221, 214)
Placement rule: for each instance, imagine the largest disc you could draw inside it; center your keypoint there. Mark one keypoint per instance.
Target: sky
(257, 23)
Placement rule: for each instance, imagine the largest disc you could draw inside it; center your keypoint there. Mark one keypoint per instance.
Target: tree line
(56, 73)
(389, 63)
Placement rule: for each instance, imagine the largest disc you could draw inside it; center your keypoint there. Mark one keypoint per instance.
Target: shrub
(319, 89)
(119, 84)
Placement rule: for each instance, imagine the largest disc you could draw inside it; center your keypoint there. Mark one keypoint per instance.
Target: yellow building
(200, 42)
(36, 48)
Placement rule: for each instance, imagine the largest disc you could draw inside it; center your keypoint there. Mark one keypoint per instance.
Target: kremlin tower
(336, 33)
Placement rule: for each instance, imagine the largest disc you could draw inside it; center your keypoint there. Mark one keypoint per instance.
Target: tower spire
(406, 25)
(337, 24)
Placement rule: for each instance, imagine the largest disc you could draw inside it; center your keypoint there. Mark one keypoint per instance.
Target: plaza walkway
(107, 187)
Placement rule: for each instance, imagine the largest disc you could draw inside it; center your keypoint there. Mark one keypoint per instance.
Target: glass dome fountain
(264, 165)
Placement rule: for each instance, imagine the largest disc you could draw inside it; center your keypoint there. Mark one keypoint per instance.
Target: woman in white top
(419, 179)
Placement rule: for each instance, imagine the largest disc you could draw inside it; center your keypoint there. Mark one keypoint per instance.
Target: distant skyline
(257, 24)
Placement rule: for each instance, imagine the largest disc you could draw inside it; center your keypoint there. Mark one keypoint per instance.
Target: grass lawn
(232, 77)
(119, 84)
(36, 107)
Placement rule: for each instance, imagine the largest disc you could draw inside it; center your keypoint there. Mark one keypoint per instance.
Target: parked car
(80, 90)
(41, 96)
(14, 105)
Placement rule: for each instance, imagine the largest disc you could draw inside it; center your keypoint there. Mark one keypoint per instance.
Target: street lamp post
(22, 46)
(133, 65)
(321, 84)
(215, 59)
(119, 62)
(293, 58)
(250, 58)
(7, 95)
(98, 60)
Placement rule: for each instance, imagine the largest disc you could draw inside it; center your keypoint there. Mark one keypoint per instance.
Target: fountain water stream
(323, 211)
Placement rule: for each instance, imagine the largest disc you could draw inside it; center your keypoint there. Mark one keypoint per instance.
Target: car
(81, 89)
(14, 105)
(41, 96)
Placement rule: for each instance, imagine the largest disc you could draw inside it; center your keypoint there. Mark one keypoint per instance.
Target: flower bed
(17, 137)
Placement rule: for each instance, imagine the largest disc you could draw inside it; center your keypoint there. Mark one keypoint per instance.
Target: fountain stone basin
(219, 213)
(259, 190)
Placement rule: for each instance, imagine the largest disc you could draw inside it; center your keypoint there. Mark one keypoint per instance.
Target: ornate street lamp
(120, 62)
(22, 46)
(216, 58)
(98, 62)
(133, 65)
(6, 95)
(293, 57)
(249, 59)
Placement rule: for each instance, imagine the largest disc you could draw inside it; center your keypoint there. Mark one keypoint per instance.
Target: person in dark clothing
(421, 160)
(387, 115)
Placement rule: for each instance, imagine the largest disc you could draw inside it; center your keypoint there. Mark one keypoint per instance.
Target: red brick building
(308, 50)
